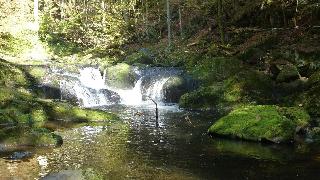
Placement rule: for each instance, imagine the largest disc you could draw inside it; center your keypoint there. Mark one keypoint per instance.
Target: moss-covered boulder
(176, 86)
(202, 98)
(288, 73)
(67, 112)
(262, 123)
(120, 76)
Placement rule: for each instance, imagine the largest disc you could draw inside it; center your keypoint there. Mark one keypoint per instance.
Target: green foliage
(12, 45)
(260, 123)
(217, 68)
(73, 28)
(245, 87)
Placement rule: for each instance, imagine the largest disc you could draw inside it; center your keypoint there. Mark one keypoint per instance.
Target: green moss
(68, 112)
(202, 98)
(246, 87)
(37, 72)
(300, 117)
(120, 76)
(259, 123)
(12, 76)
(36, 137)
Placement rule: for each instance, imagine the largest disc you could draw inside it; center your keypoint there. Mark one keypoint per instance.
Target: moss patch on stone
(120, 76)
(25, 136)
(261, 123)
(58, 111)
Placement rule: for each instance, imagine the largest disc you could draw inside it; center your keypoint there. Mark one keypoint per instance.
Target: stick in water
(157, 113)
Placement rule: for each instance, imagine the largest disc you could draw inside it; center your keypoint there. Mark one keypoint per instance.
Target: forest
(167, 89)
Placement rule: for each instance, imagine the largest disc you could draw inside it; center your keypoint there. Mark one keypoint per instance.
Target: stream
(134, 148)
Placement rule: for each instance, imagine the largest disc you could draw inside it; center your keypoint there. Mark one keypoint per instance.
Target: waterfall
(131, 96)
(88, 87)
(155, 90)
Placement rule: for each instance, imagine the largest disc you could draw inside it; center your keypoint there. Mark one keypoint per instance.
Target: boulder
(175, 87)
(121, 76)
(36, 137)
(262, 123)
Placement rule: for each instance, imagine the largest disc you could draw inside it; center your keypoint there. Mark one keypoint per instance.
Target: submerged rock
(35, 137)
(262, 123)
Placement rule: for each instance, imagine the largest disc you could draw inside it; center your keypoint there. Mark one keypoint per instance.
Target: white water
(88, 88)
(131, 96)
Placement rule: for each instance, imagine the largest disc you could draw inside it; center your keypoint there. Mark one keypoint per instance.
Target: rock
(111, 95)
(297, 85)
(35, 137)
(175, 87)
(50, 92)
(262, 123)
(121, 76)
(314, 133)
(288, 73)
(202, 98)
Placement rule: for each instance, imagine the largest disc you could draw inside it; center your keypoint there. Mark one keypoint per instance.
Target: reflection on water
(134, 148)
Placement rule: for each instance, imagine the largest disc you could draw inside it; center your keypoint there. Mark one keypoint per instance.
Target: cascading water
(89, 88)
(155, 90)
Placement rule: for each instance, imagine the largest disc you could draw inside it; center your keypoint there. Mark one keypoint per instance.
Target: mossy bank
(20, 106)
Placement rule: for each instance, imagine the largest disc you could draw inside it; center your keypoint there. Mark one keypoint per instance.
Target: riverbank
(23, 112)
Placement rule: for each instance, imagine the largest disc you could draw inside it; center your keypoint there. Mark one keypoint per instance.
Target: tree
(220, 20)
(169, 24)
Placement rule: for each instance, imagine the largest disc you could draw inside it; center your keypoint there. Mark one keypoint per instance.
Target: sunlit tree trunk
(169, 23)
(62, 9)
(180, 23)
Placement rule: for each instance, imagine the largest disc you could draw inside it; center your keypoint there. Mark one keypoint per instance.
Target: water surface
(134, 148)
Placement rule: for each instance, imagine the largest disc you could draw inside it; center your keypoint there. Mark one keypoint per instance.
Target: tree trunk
(169, 24)
(36, 13)
(220, 23)
(180, 23)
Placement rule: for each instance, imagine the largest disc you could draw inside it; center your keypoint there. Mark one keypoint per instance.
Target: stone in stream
(121, 76)
(176, 86)
(262, 123)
